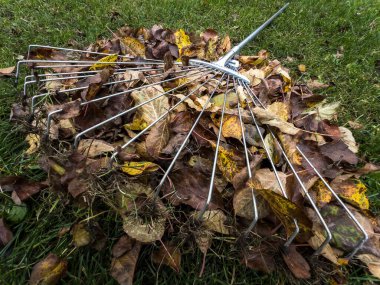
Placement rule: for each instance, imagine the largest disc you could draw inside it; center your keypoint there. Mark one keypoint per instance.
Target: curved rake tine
(304, 190)
(80, 51)
(211, 189)
(85, 75)
(283, 191)
(128, 91)
(105, 84)
(77, 63)
(166, 174)
(35, 97)
(254, 202)
(349, 213)
(159, 118)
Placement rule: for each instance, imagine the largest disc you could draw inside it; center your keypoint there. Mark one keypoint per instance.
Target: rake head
(125, 75)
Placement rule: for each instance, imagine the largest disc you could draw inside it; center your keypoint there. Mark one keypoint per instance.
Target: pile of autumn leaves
(293, 112)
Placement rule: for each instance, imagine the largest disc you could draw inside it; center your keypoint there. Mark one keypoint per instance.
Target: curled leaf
(139, 167)
(48, 271)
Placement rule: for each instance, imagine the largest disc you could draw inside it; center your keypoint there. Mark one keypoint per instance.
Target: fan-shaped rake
(223, 72)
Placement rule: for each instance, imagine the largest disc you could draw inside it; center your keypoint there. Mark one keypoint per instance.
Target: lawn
(337, 41)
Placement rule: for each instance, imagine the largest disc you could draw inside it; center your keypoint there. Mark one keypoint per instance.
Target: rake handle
(222, 61)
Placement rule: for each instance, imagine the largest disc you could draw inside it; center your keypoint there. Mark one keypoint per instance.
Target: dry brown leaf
(123, 267)
(373, 263)
(93, 147)
(7, 71)
(154, 109)
(214, 220)
(355, 125)
(48, 271)
(348, 139)
(81, 235)
(168, 255)
(296, 263)
(316, 241)
(157, 138)
(5, 233)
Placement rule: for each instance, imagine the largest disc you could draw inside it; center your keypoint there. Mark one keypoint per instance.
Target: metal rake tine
(111, 95)
(84, 87)
(211, 189)
(254, 202)
(79, 51)
(323, 222)
(159, 118)
(283, 191)
(349, 213)
(77, 137)
(78, 63)
(166, 174)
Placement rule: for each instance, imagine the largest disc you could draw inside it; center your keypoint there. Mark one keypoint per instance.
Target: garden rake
(223, 70)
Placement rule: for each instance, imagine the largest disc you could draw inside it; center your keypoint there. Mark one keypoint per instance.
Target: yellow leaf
(324, 196)
(285, 210)
(139, 167)
(231, 127)
(226, 162)
(302, 68)
(134, 46)
(137, 124)
(81, 235)
(104, 62)
(353, 191)
(181, 40)
(48, 271)
(34, 143)
(255, 76)
(214, 220)
(280, 109)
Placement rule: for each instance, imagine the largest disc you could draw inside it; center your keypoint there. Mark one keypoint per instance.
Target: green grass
(310, 32)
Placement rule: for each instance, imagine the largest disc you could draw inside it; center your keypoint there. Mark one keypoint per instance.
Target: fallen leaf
(352, 191)
(296, 263)
(203, 240)
(338, 151)
(355, 125)
(255, 76)
(139, 167)
(123, 244)
(230, 162)
(243, 204)
(268, 180)
(317, 240)
(191, 188)
(181, 40)
(5, 233)
(154, 109)
(372, 262)
(260, 258)
(22, 188)
(157, 138)
(214, 220)
(133, 46)
(324, 110)
(48, 271)
(81, 235)
(348, 139)
(285, 210)
(168, 255)
(316, 85)
(7, 71)
(93, 147)
(123, 267)
(302, 68)
(231, 127)
(34, 142)
(104, 62)
(268, 118)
